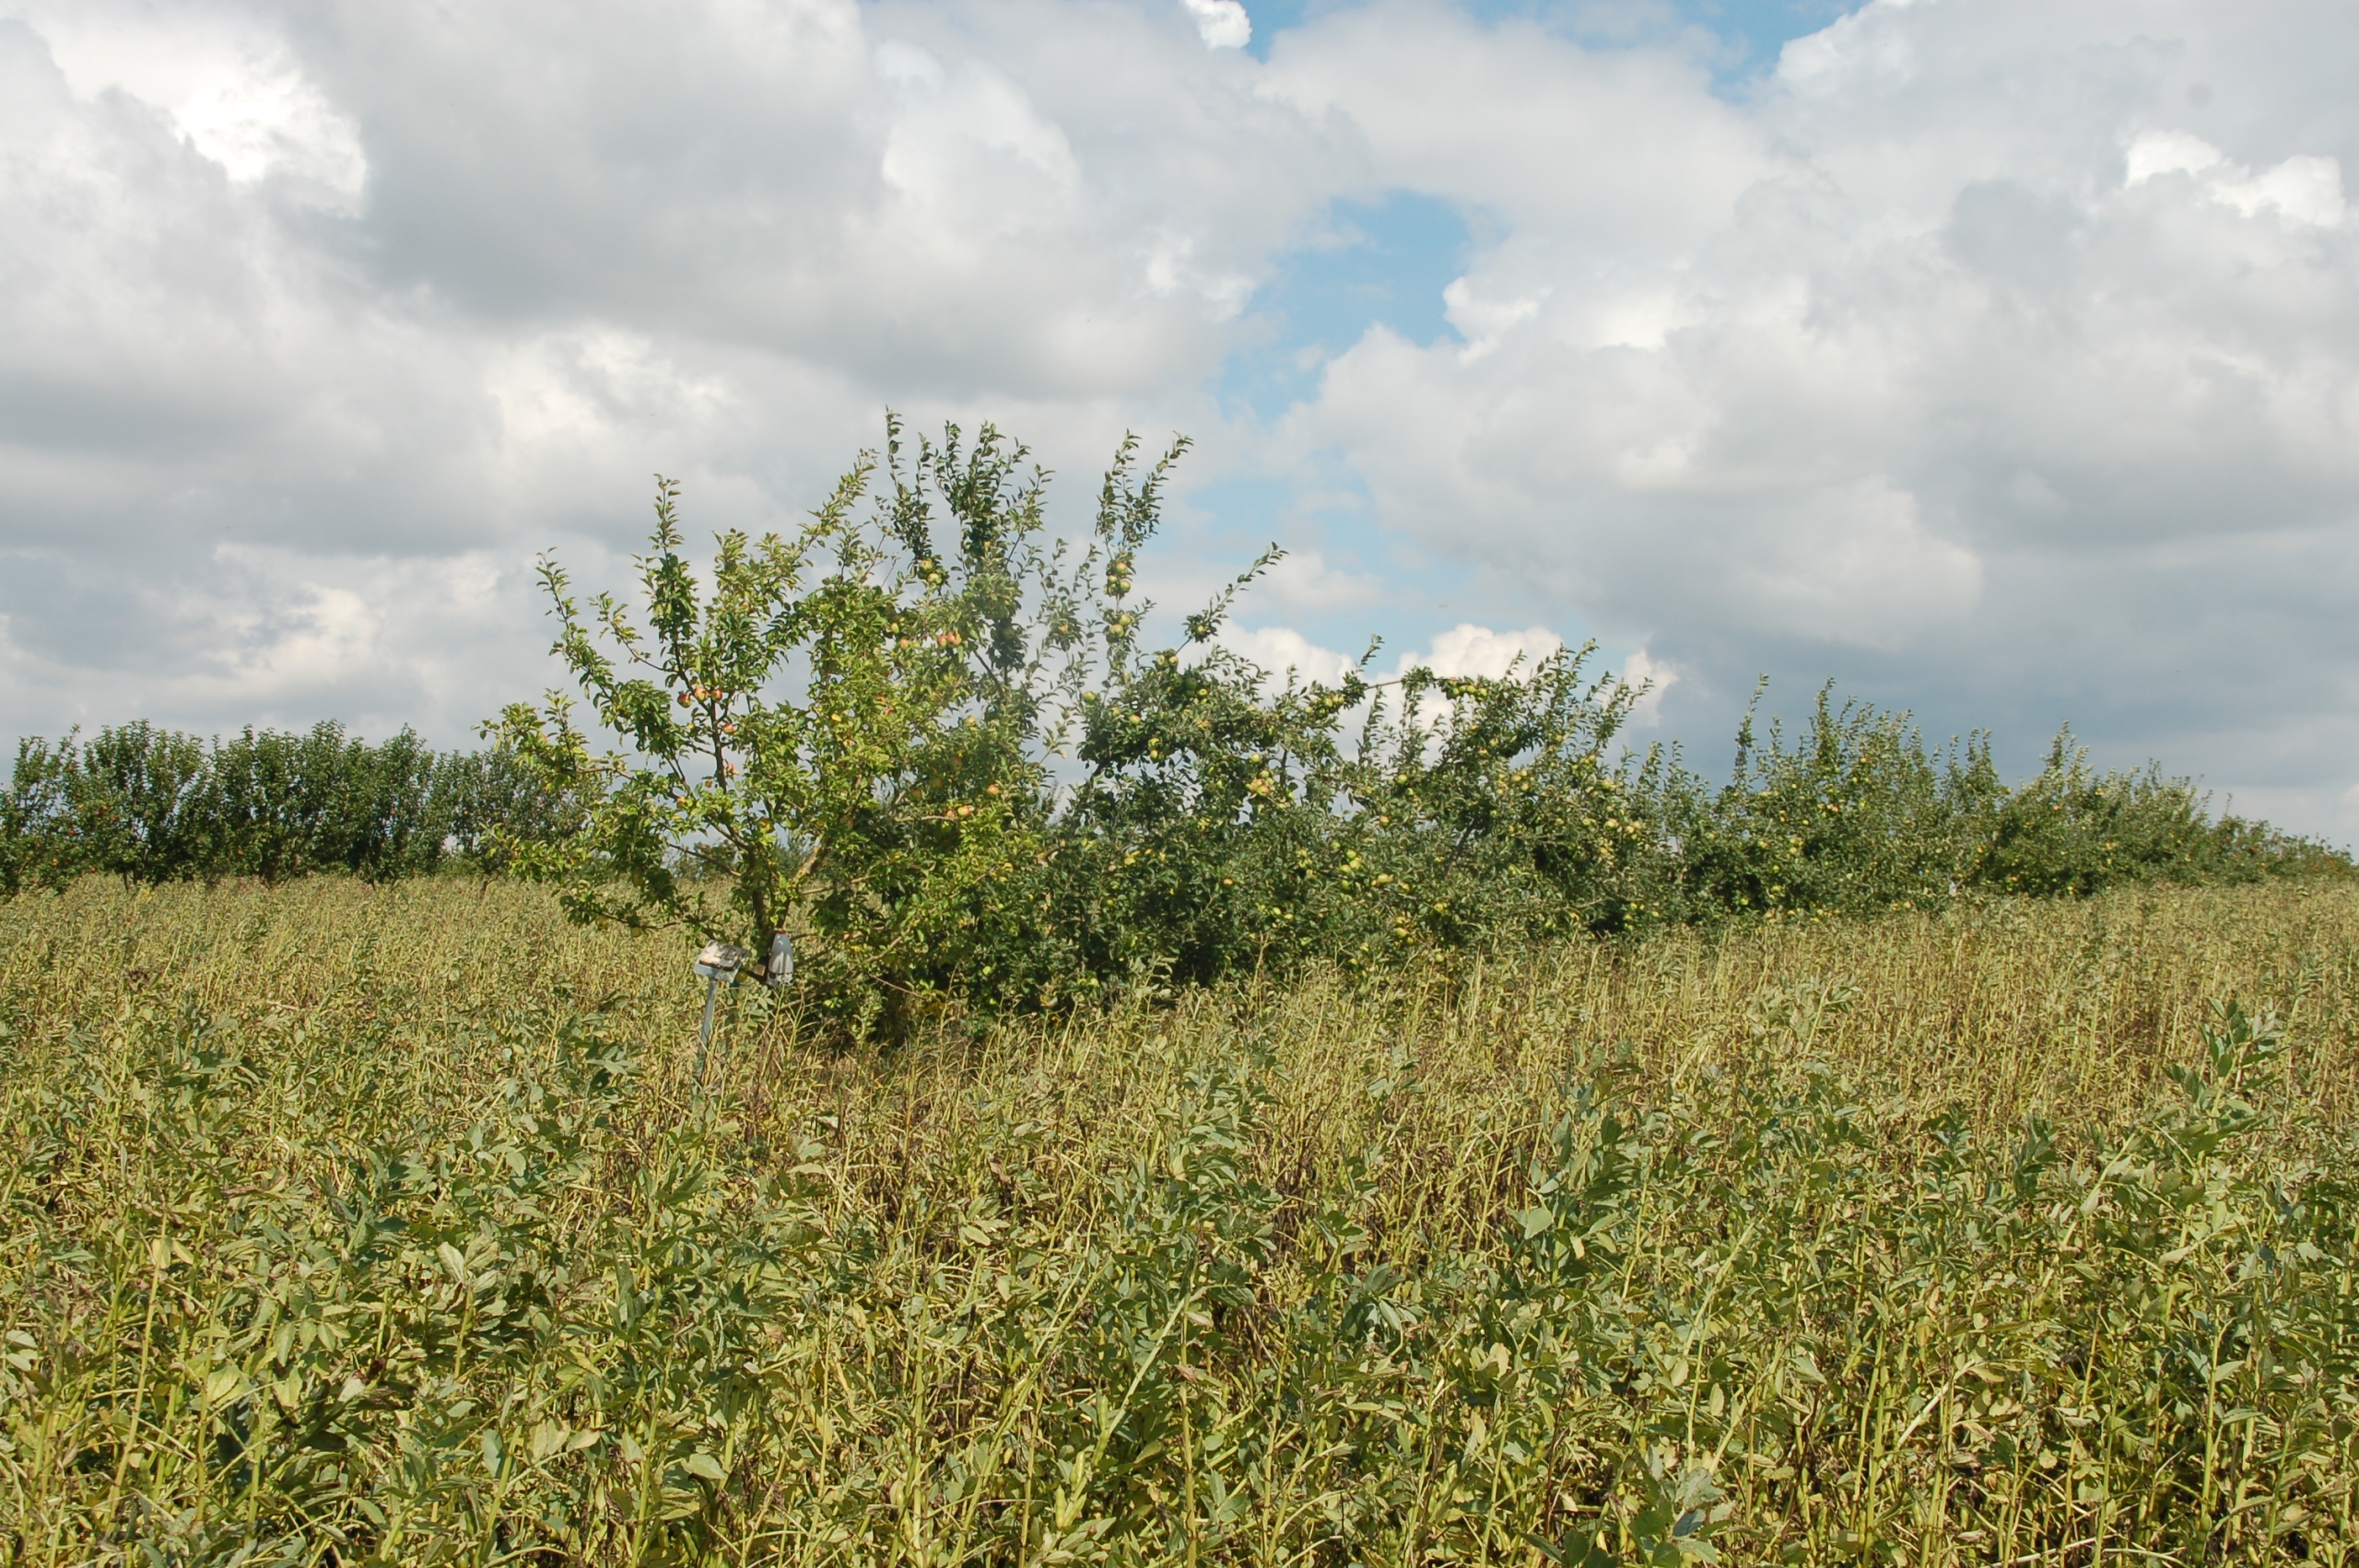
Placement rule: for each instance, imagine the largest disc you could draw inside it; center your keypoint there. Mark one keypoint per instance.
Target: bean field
(402, 1223)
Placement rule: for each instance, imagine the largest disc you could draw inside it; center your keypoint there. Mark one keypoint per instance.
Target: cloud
(274, 637)
(1642, 673)
(1305, 581)
(1281, 650)
(2002, 360)
(2304, 190)
(1463, 650)
(230, 88)
(1222, 24)
(1946, 359)
(351, 283)
(1467, 650)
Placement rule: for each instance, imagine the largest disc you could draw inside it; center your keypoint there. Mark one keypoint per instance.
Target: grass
(390, 1224)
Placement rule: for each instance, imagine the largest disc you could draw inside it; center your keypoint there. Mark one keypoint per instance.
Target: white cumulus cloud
(2303, 189)
(1999, 358)
(1222, 24)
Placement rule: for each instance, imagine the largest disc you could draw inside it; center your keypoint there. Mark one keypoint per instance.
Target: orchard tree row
(928, 743)
(153, 805)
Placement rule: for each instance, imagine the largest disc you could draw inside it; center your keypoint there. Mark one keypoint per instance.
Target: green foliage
(950, 765)
(2074, 831)
(491, 802)
(1504, 813)
(930, 745)
(144, 802)
(1857, 815)
(1204, 834)
(152, 806)
(439, 1268)
(284, 805)
(856, 752)
(40, 841)
(1860, 814)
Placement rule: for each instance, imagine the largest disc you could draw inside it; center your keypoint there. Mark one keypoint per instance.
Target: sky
(1996, 359)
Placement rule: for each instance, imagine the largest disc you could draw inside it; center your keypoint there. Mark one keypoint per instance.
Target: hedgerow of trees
(929, 741)
(152, 805)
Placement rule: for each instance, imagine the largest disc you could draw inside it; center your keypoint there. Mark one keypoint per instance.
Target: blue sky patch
(1383, 262)
(1760, 27)
(1756, 29)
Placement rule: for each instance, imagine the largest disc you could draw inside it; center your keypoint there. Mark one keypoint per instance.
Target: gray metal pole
(704, 1036)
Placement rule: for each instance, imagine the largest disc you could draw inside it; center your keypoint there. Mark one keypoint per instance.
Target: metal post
(719, 961)
(704, 1036)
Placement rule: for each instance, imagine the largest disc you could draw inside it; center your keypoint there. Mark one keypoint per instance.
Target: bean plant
(350, 1224)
